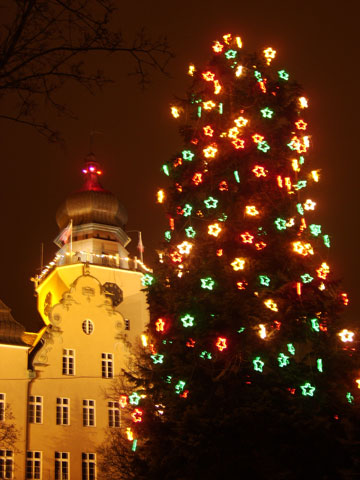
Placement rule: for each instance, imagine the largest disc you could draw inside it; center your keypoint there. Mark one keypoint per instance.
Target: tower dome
(92, 203)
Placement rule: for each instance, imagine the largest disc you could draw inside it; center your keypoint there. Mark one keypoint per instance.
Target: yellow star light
(271, 305)
(208, 76)
(238, 143)
(208, 131)
(269, 54)
(238, 264)
(217, 87)
(247, 237)
(214, 229)
(303, 248)
(233, 132)
(309, 204)
(218, 47)
(239, 70)
(303, 102)
(346, 336)
(251, 210)
(210, 151)
(315, 175)
(175, 112)
(191, 69)
(301, 125)
(185, 247)
(209, 105)
(241, 122)
(259, 171)
(323, 271)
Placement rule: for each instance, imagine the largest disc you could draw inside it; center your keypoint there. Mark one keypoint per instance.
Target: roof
(11, 331)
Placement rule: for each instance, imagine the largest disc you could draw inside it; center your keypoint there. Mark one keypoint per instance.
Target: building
(93, 307)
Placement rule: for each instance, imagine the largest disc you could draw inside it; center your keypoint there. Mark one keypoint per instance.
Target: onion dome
(92, 203)
(11, 332)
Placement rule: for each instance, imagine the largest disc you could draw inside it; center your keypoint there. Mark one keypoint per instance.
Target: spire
(92, 171)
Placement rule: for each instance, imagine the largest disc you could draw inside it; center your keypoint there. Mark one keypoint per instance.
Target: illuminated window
(6, 463)
(62, 466)
(68, 361)
(107, 365)
(87, 326)
(35, 409)
(114, 414)
(62, 411)
(88, 466)
(2, 408)
(89, 413)
(33, 465)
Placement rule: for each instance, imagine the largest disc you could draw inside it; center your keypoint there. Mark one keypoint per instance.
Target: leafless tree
(8, 431)
(45, 43)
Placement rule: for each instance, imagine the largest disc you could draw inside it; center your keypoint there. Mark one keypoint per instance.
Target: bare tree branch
(45, 43)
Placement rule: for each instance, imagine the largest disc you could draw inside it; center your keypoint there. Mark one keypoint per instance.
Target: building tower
(91, 301)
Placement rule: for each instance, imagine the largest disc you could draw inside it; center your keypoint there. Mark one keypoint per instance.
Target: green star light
(306, 278)
(280, 223)
(190, 232)
(319, 364)
(315, 229)
(258, 364)
(267, 112)
(188, 155)
(349, 397)
(179, 387)
(157, 358)
(326, 240)
(283, 75)
(205, 355)
(165, 169)
(264, 280)
(211, 202)
(263, 146)
(315, 325)
(187, 320)
(134, 398)
(207, 283)
(307, 389)
(230, 54)
(291, 348)
(147, 280)
(300, 184)
(187, 210)
(283, 360)
(168, 235)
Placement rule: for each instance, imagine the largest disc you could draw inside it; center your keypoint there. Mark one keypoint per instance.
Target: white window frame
(36, 409)
(107, 365)
(62, 411)
(33, 465)
(2, 406)
(68, 361)
(6, 464)
(62, 465)
(114, 414)
(88, 466)
(89, 413)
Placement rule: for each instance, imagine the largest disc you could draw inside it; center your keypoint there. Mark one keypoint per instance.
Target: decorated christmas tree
(250, 367)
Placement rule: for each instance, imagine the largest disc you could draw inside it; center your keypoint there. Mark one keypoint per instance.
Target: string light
(303, 102)
(160, 196)
(239, 70)
(175, 112)
(262, 331)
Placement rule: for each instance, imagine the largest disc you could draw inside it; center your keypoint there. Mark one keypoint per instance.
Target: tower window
(87, 326)
(68, 361)
(107, 369)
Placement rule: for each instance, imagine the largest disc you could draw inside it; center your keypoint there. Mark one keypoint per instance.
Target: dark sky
(317, 43)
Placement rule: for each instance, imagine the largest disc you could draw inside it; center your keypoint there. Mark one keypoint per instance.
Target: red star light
(247, 237)
(221, 343)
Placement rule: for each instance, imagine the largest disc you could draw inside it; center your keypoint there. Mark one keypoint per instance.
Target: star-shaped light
(157, 358)
(123, 401)
(209, 105)
(190, 232)
(315, 229)
(188, 155)
(238, 264)
(197, 178)
(233, 132)
(185, 247)
(230, 54)
(323, 271)
(211, 202)
(221, 343)
(349, 397)
(176, 257)
(251, 210)
(134, 398)
(260, 245)
(223, 186)
(210, 151)
(137, 415)
(160, 325)
(263, 146)
(262, 331)
(187, 320)
(218, 47)
(258, 364)
(247, 237)
(257, 138)
(214, 229)
(190, 343)
(264, 280)
(191, 69)
(208, 76)
(307, 389)
(283, 360)
(239, 70)
(309, 204)
(238, 143)
(179, 387)
(241, 122)
(175, 112)
(207, 283)
(303, 102)
(280, 224)
(208, 131)
(271, 305)
(267, 112)
(306, 278)
(315, 324)
(301, 125)
(346, 335)
(241, 285)
(259, 171)
(187, 210)
(283, 75)
(303, 248)
(291, 348)
(269, 54)
(205, 355)
(147, 280)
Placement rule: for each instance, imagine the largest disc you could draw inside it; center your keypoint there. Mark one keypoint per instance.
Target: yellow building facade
(94, 311)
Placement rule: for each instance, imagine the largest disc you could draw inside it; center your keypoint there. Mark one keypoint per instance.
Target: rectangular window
(35, 409)
(62, 466)
(2, 408)
(114, 414)
(6, 463)
(88, 466)
(62, 411)
(127, 324)
(89, 413)
(107, 370)
(68, 361)
(33, 465)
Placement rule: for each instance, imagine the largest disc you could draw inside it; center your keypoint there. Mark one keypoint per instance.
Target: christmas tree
(251, 369)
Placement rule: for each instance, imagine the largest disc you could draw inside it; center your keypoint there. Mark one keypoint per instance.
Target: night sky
(316, 42)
